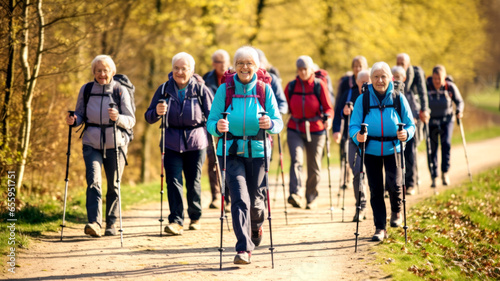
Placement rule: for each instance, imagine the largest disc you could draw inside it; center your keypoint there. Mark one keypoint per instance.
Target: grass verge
(452, 236)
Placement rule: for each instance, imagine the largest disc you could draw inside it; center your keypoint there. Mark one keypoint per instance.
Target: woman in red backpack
(308, 102)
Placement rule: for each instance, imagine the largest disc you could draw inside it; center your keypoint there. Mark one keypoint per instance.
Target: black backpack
(123, 80)
(398, 87)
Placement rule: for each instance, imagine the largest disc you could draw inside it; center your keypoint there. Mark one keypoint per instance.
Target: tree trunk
(258, 23)
(30, 82)
(9, 80)
(323, 48)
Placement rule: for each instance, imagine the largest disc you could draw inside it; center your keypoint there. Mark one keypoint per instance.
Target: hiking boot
(110, 230)
(242, 257)
(311, 205)
(396, 219)
(410, 190)
(174, 228)
(433, 182)
(294, 200)
(93, 229)
(446, 179)
(215, 204)
(195, 225)
(361, 216)
(380, 235)
(257, 236)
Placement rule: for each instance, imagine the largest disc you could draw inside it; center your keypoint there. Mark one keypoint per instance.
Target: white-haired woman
(187, 105)
(308, 102)
(382, 143)
(245, 145)
(92, 108)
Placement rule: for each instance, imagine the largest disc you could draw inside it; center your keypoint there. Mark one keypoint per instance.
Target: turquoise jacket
(381, 123)
(244, 117)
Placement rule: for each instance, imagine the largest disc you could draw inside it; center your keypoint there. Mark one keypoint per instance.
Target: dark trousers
(440, 130)
(189, 162)
(245, 179)
(355, 163)
(375, 168)
(94, 160)
(411, 155)
(213, 174)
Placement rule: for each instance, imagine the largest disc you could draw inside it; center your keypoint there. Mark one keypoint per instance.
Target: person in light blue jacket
(245, 148)
(382, 144)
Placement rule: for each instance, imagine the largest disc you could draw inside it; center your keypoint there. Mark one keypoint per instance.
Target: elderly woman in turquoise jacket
(245, 148)
(382, 144)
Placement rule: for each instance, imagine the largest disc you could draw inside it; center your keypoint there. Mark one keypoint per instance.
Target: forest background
(46, 48)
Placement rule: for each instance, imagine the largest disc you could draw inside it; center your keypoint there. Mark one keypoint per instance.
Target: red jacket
(311, 107)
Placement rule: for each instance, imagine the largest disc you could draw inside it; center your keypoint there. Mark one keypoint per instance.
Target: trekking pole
(282, 178)
(344, 159)
(360, 185)
(325, 118)
(465, 146)
(162, 140)
(400, 128)
(430, 165)
(223, 189)
(112, 105)
(266, 179)
(68, 153)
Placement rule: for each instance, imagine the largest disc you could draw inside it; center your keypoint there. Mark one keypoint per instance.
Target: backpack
(263, 78)
(398, 87)
(123, 80)
(318, 76)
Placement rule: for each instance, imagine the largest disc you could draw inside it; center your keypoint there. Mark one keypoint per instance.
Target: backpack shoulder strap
(261, 93)
(117, 93)
(228, 78)
(396, 100)
(317, 92)
(86, 97)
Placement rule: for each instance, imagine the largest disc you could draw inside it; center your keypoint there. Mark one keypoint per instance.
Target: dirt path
(310, 247)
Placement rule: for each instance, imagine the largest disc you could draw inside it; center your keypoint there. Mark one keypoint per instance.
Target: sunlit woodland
(47, 47)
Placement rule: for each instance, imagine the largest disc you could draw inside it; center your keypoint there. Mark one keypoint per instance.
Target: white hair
(399, 70)
(186, 56)
(362, 74)
(405, 57)
(362, 60)
(247, 52)
(104, 59)
(382, 66)
(306, 62)
(221, 52)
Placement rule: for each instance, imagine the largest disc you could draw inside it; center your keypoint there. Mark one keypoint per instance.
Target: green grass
(488, 99)
(452, 236)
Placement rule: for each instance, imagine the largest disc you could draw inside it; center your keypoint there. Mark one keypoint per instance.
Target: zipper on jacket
(244, 118)
(382, 127)
(100, 120)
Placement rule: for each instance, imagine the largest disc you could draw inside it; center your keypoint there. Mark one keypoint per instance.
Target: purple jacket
(186, 128)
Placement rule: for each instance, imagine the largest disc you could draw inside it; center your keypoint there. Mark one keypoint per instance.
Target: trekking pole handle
(224, 115)
(71, 113)
(325, 117)
(162, 101)
(349, 103)
(400, 126)
(363, 128)
(263, 113)
(112, 105)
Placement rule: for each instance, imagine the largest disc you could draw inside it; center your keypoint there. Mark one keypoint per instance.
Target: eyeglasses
(181, 69)
(248, 64)
(219, 61)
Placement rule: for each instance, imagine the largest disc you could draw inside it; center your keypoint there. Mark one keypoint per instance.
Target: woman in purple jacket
(188, 103)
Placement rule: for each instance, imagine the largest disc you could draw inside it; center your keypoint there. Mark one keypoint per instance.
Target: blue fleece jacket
(244, 117)
(381, 122)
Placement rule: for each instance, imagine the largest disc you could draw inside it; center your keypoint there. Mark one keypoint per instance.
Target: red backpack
(263, 78)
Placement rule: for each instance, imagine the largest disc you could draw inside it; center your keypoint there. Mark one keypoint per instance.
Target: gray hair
(398, 69)
(186, 56)
(362, 60)
(362, 74)
(105, 59)
(247, 52)
(405, 57)
(382, 66)
(305, 61)
(221, 52)
(262, 58)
